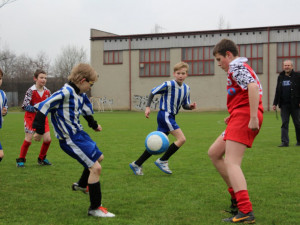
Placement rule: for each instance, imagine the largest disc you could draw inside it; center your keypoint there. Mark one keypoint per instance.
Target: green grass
(194, 194)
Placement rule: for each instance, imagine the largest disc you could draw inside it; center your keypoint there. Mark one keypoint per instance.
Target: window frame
(117, 57)
(199, 60)
(253, 56)
(154, 62)
(280, 57)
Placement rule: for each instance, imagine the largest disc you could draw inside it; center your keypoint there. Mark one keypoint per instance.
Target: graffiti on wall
(141, 101)
(101, 103)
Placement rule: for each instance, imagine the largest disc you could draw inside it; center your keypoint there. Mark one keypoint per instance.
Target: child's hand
(37, 137)
(4, 111)
(98, 129)
(147, 112)
(226, 120)
(254, 123)
(193, 105)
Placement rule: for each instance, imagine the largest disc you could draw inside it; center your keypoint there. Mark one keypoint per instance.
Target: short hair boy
(246, 115)
(174, 94)
(65, 107)
(35, 94)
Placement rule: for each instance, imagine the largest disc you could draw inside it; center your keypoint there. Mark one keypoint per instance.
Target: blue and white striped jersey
(3, 104)
(66, 106)
(173, 96)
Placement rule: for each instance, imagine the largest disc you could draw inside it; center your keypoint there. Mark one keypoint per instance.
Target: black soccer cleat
(20, 162)
(241, 218)
(43, 162)
(76, 187)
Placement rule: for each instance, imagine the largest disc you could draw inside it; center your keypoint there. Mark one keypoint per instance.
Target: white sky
(32, 26)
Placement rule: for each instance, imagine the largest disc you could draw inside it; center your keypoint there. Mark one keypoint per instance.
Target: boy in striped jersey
(65, 106)
(244, 103)
(3, 110)
(174, 94)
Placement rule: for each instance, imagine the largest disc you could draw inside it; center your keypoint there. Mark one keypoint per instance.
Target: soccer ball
(156, 142)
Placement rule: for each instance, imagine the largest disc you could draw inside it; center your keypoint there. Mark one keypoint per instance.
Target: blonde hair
(181, 65)
(81, 71)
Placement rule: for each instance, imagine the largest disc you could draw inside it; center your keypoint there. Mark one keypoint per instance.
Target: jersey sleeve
(52, 102)
(186, 100)
(4, 103)
(27, 99)
(160, 89)
(87, 108)
(242, 76)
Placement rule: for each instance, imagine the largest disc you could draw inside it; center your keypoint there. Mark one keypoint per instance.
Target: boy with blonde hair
(65, 107)
(174, 94)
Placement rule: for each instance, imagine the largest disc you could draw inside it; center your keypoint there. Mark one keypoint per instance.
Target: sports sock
(171, 150)
(0, 159)
(231, 192)
(84, 178)
(146, 155)
(243, 201)
(44, 150)
(95, 195)
(24, 149)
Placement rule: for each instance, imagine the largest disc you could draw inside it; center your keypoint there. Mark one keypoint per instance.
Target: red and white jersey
(240, 74)
(33, 97)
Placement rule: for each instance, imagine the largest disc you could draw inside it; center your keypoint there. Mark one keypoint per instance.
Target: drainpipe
(129, 73)
(268, 68)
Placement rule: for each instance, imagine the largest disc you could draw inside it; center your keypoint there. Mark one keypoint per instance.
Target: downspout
(268, 68)
(129, 73)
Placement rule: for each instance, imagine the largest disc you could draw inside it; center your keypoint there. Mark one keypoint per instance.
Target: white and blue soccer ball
(156, 142)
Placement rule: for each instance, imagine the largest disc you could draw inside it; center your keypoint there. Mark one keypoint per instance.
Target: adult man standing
(287, 97)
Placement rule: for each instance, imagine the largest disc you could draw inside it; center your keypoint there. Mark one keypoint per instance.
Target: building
(129, 66)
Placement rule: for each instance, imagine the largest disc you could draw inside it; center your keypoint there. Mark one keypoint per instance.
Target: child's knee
(100, 158)
(1, 154)
(210, 153)
(96, 169)
(182, 140)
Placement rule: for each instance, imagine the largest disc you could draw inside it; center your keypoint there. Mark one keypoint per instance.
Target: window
(288, 50)
(154, 62)
(254, 54)
(113, 57)
(200, 60)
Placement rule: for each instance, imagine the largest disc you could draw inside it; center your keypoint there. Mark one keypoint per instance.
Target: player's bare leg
(233, 159)
(216, 154)
(96, 208)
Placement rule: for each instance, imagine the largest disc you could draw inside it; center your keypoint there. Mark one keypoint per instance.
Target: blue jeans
(286, 111)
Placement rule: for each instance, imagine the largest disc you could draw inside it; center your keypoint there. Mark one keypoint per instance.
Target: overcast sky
(32, 26)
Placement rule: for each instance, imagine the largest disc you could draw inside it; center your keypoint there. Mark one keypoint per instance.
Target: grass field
(193, 194)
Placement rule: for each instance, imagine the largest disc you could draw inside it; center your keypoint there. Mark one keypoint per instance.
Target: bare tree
(221, 22)
(42, 61)
(157, 29)
(69, 57)
(7, 61)
(24, 67)
(5, 2)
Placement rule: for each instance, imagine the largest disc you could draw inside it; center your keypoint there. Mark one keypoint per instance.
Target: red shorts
(237, 127)
(28, 121)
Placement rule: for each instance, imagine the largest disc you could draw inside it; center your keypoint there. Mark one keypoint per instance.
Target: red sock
(244, 204)
(231, 192)
(24, 149)
(44, 150)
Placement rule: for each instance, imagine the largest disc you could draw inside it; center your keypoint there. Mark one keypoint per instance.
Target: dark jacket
(295, 89)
